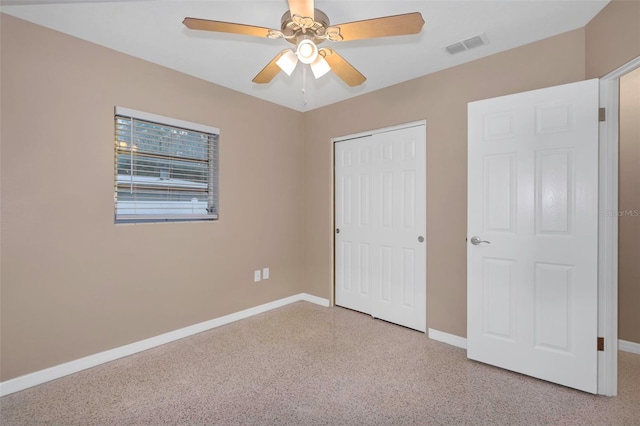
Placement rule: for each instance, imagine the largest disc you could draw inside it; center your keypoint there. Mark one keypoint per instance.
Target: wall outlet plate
(265, 273)
(256, 276)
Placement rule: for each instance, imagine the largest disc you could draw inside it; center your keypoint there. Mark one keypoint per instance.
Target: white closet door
(381, 225)
(354, 242)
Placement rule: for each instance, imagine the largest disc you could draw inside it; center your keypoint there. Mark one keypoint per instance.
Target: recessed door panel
(498, 290)
(499, 125)
(386, 273)
(364, 195)
(500, 187)
(408, 212)
(553, 313)
(347, 199)
(554, 192)
(365, 269)
(347, 266)
(408, 278)
(387, 199)
(555, 117)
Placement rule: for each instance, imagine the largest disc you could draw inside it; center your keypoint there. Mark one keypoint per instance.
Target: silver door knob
(420, 239)
(476, 240)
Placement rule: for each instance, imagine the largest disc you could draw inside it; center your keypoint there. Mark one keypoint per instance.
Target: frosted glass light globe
(307, 51)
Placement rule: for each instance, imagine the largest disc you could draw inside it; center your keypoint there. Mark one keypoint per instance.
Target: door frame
(608, 229)
(333, 193)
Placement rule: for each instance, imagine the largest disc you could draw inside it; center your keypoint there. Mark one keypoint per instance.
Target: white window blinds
(165, 169)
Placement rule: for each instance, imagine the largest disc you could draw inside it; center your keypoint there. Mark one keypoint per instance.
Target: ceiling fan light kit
(307, 27)
(307, 51)
(320, 67)
(288, 61)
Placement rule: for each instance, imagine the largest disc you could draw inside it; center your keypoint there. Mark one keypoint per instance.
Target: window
(165, 169)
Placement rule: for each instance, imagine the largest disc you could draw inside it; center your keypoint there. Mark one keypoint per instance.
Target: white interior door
(533, 203)
(380, 206)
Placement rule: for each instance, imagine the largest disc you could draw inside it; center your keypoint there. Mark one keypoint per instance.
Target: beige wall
(73, 283)
(629, 206)
(441, 99)
(612, 37)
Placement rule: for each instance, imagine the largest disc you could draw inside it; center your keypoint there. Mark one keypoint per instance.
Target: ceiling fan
(307, 27)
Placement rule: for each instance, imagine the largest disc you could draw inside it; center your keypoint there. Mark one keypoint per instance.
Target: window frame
(212, 171)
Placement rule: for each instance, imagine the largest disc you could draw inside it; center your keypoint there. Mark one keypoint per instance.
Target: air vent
(456, 48)
(469, 43)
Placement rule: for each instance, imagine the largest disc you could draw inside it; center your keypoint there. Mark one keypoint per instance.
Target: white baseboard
(61, 370)
(632, 347)
(450, 339)
(314, 299)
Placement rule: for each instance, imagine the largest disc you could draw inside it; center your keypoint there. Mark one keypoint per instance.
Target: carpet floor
(309, 365)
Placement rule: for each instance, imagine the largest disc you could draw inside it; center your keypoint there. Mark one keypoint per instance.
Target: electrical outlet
(265, 273)
(256, 276)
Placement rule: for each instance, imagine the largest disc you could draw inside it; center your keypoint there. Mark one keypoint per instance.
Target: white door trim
(608, 224)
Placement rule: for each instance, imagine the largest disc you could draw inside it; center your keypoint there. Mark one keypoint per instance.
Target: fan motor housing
(304, 27)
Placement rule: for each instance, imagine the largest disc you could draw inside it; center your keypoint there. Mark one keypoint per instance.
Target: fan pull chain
(304, 84)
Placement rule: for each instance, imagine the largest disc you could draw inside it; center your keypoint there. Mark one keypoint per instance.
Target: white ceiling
(153, 30)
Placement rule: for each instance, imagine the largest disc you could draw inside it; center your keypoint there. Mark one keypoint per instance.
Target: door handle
(476, 240)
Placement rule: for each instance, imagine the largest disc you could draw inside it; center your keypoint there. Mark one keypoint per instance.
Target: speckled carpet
(306, 364)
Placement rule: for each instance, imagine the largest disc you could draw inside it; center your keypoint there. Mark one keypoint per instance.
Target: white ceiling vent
(469, 43)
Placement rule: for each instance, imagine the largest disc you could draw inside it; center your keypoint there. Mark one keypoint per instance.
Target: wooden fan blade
(303, 8)
(342, 68)
(225, 27)
(268, 72)
(409, 23)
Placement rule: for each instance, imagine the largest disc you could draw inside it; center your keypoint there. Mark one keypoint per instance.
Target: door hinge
(602, 114)
(601, 343)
